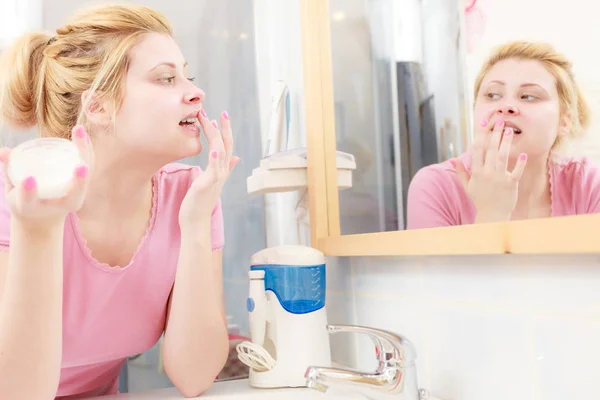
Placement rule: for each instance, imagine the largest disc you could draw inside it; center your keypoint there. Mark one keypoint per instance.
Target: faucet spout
(321, 378)
(394, 377)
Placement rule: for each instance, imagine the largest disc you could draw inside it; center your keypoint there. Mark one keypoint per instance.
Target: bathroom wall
(572, 27)
(484, 327)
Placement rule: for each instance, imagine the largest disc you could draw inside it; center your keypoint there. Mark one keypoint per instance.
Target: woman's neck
(119, 185)
(534, 197)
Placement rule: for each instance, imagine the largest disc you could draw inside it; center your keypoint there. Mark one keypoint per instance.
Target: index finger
(477, 151)
(213, 136)
(487, 118)
(81, 139)
(4, 159)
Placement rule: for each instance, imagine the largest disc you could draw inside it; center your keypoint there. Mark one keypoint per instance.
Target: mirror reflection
(462, 125)
(399, 101)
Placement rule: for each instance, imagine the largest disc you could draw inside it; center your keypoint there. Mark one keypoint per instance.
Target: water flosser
(257, 300)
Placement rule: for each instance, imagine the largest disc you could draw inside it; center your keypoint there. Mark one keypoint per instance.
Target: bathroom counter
(234, 390)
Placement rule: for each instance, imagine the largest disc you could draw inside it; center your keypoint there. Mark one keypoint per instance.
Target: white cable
(255, 356)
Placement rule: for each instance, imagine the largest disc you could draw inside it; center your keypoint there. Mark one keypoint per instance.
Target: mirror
(403, 82)
(400, 100)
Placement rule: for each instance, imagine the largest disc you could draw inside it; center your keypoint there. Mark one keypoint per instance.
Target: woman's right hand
(492, 188)
(24, 202)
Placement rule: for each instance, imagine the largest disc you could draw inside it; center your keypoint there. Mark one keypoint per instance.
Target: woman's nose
(509, 110)
(195, 96)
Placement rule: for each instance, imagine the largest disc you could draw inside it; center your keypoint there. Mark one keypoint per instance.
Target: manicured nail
(29, 183)
(453, 162)
(81, 171)
(213, 154)
(80, 132)
(508, 131)
(499, 122)
(203, 113)
(484, 123)
(214, 123)
(523, 157)
(225, 115)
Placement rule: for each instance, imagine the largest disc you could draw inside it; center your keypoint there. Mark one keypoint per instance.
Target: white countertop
(234, 390)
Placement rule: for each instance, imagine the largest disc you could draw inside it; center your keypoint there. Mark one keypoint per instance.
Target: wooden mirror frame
(557, 235)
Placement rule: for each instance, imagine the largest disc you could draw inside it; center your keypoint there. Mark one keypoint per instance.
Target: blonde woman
(134, 250)
(527, 104)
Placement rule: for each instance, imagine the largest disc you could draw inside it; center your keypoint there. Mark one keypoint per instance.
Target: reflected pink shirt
(436, 197)
(111, 313)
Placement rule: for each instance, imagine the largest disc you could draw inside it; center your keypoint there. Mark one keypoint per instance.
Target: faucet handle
(391, 348)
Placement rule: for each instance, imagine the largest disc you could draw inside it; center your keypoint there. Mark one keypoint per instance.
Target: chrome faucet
(395, 376)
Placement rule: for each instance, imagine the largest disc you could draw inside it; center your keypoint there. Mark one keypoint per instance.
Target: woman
(527, 104)
(134, 250)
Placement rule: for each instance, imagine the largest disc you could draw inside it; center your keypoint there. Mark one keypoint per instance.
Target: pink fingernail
(508, 131)
(203, 113)
(499, 122)
(214, 123)
(484, 123)
(213, 154)
(80, 132)
(523, 157)
(225, 115)
(81, 171)
(453, 163)
(29, 183)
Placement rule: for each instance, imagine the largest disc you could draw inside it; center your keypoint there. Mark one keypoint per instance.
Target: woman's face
(522, 93)
(158, 97)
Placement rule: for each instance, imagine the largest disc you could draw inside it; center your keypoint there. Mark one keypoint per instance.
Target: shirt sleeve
(4, 214)
(428, 201)
(590, 187)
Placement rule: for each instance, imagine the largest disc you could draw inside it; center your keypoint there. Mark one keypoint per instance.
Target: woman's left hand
(201, 198)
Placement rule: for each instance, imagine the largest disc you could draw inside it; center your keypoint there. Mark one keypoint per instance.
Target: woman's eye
(528, 97)
(492, 95)
(169, 79)
(192, 79)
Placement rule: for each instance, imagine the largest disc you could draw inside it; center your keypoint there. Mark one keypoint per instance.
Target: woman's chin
(192, 149)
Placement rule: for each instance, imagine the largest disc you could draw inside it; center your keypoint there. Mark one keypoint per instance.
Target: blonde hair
(571, 99)
(43, 77)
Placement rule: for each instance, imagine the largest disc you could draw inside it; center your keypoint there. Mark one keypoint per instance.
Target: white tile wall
(484, 327)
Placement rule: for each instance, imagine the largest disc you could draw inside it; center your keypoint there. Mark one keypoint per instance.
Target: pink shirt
(111, 313)
(436, 197)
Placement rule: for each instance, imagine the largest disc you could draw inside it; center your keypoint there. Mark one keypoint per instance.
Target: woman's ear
(97, 110)
(566, 124)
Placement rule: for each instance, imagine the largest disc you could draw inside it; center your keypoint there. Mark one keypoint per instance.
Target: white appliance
(288, 319)
(282, 173)
(287, 170)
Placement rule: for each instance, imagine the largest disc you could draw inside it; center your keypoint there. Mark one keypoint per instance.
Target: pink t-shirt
(436, 197)
(111, 313)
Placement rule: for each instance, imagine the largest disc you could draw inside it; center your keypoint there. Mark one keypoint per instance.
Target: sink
(234, 390)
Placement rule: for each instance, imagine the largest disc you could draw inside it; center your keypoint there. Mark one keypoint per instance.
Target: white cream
(51, 161)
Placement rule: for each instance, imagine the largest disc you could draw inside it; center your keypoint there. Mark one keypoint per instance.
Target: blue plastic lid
(299, 289)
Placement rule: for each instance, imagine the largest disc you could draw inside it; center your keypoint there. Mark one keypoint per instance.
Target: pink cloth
(111, 313)
(436, 198)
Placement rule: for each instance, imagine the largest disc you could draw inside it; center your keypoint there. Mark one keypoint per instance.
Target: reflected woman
(527, 104)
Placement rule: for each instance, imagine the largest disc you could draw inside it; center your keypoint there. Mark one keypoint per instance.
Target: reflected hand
(492, 188)
(23, 201)
(206, 189)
